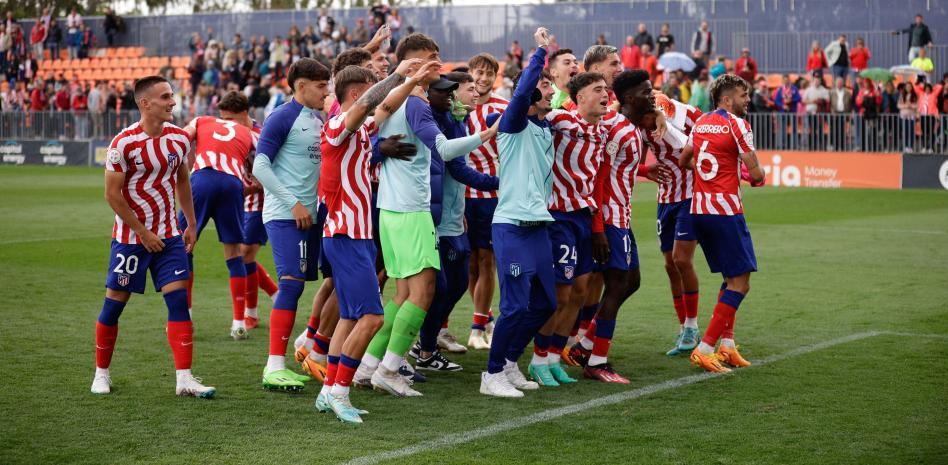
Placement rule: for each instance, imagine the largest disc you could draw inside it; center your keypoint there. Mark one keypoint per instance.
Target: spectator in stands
(649, 62)
(719, 68)
(111, 25)
(786, 98)
(195, 44)
(890, 98)
(6, 43)
(908, 114)
(671, 88)
(919, 37)
(701, 64)
(196, 69)
(512, 68)
(631, 54)
(601, 40)
(762, 120)
(38, 97)
(95, 101)
(73, 24)
(702, 41)
(761, 102)
(868, 104)
(644, 38)
(517, 51)
(746, 66)
(86, 40)
(923, 63)
(859, 57)
(816, 99)
(684, 86)
(816, 59)
(62, 99)
(80, 111)
(665, 41)
(841, 104)
(395, 25)
(699, 92)
(37, 38)
(928, 114)
(325, 22)
(837, 55)
(279, 55)
(54, 37)
(360, 35)
(943, 96)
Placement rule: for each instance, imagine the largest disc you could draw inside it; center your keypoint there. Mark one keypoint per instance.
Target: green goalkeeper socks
(380, 341)
(405, 330)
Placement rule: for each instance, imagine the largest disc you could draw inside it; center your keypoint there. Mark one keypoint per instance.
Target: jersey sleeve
(274, 133)
(743, 135)
(371, 127)
(115, 158)
(335, 132)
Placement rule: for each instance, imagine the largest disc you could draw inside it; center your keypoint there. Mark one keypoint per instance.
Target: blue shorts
(295, 252)
(571, 239)
(623, 253)
(523, 268)
(128, 264)
(353, 265)
(220, 196)
(254, 232)
(726, 243)
(674, 224)
(479, 214)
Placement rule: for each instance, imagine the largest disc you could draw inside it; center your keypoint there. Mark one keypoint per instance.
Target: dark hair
(462, 69)
(581, 81)
(234, 102)
(350, 76)
(459, 77)
(144, 84)
(306, 68)
(597, 54)
(726, 83)
(543, 75)
(628, 80)
(413, 42)
(553, 56)
(351, 57)
(483, 60)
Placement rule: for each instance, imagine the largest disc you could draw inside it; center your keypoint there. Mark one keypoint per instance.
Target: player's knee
(485, 261)
(373, 323)
(682, 262)
(290, 290)
(236, 267)
(633, 282)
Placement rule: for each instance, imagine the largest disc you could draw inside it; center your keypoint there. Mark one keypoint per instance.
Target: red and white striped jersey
(221, 144)
(719, 138)
(150, 165)
(484, 158)
(344, 178)
(680, 119)
(620, 164)
(578, 147)
(253, 202)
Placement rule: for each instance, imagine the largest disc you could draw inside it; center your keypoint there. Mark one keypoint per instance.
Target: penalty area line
(455, 439)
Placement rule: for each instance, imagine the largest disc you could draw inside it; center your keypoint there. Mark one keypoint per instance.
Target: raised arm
(397, 97)
(515, 119)
(423, 125)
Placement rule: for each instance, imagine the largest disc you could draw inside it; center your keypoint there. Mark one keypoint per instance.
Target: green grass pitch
(833, 263)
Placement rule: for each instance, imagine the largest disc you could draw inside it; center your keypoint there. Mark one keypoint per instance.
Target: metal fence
(841, 132)
(786, 52)
(772, 131)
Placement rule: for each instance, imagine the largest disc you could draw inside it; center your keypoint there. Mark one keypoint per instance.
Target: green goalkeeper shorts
(409, 243)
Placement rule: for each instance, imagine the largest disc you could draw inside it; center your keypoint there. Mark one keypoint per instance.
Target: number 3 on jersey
(229, 126)
(703, 156)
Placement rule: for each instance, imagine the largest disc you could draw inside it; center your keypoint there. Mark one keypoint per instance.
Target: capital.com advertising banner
(834, 170)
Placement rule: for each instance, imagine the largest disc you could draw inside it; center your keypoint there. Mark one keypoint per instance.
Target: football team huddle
(432, 180)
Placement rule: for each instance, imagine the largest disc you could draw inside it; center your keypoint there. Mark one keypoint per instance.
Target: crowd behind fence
(772, 131)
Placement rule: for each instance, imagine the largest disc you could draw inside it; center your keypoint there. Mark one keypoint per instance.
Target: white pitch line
(455, 439)
(933, 232)
(48, 239)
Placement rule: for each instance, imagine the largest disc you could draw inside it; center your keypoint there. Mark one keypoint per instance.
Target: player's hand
(383, 33)
(407, 67)
(301, 214)
(658, 173)
(542, 37)
(490, 132)
(423, 71)
(151, 241)
(600, 246)
(393, 147)
(660, 126)
(190, 238)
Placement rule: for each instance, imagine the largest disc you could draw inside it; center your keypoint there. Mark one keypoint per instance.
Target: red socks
(332, 370)
(238, 295)
(679, 302)
(281, 325)
(104, 344)
(690, 300)
(180, 339)
(344, 375)
(723, 317)
(253, 286)
(266, 282)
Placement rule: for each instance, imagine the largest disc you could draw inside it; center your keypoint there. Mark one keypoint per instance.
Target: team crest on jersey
(628, 258)
(514, 269)
(568, 271)
(303, 265)
(172, 158)
(123, 280)
(114, 156)
(612, 147)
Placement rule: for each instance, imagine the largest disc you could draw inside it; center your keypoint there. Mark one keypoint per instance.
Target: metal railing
(849, 132)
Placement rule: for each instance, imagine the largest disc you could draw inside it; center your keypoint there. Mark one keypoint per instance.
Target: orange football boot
(301, 354)
(708, 362)
(732, 357)
(251, 322)
(314, 368)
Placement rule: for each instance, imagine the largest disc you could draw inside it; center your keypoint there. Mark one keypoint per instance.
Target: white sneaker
(517, 379)
(390, 382)
(101, 384)
(477, 341)
(189, 385)
(239, 333)
(449, 343)
(497, 385)
(363, 376)
(489, 333)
